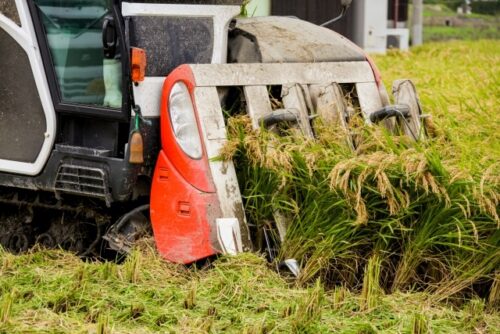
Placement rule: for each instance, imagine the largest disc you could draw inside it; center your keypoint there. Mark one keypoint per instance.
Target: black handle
(109, 37)
(400, 110)
(279, 116)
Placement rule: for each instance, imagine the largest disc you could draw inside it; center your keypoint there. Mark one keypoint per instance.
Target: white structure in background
(465, 8)
(371, 26)
(397, 31)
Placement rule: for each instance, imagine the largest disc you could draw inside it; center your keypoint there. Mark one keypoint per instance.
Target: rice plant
(371, 284)
(431, 217)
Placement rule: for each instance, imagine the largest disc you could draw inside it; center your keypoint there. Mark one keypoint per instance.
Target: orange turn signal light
(138, 63)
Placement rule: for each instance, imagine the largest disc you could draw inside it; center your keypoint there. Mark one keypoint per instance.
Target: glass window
(74, 35)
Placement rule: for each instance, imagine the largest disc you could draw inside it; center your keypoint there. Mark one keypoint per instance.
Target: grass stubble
(55, 292)
(394, 237)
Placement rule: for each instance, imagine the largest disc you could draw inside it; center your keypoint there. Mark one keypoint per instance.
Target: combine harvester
(112, 118)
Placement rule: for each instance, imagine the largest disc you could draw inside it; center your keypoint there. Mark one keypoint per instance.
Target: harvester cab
(112, 118)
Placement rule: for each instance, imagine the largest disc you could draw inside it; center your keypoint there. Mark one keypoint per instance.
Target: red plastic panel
(376, 71)
(180, 215)
(196, 172)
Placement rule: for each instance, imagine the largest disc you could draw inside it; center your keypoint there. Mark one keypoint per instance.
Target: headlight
(184, 121)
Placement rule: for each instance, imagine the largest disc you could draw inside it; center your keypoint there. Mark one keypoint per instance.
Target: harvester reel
(330, 105)
(405, 93)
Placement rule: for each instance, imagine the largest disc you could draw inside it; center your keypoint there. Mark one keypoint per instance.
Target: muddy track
(28, 218)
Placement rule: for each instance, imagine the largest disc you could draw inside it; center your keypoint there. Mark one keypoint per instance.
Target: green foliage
(486, 7)
(419, 324)
(6, 307)
(244, 8)
(371, 284)
(452, 4)
(473, 26)
(459, 85)
(438, 33)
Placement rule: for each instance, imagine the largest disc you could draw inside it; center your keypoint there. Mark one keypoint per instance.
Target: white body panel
(369, 99)
(214, 137)
(148, 93)
(248, 75)
(25, 36)
(282, 74)
(229, 235)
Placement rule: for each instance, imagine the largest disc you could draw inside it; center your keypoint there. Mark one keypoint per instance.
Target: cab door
(27, 117)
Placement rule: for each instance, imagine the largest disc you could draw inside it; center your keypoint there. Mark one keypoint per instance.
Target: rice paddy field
(393, 237)
(460, 27)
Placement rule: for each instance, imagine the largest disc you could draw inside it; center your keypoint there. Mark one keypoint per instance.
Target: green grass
(438, 10)
(412, 249)
(445, 11)
(472, 27)
(459, 85)
(433, 34)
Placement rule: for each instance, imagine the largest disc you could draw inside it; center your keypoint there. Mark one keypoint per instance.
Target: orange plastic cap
(138, 62)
